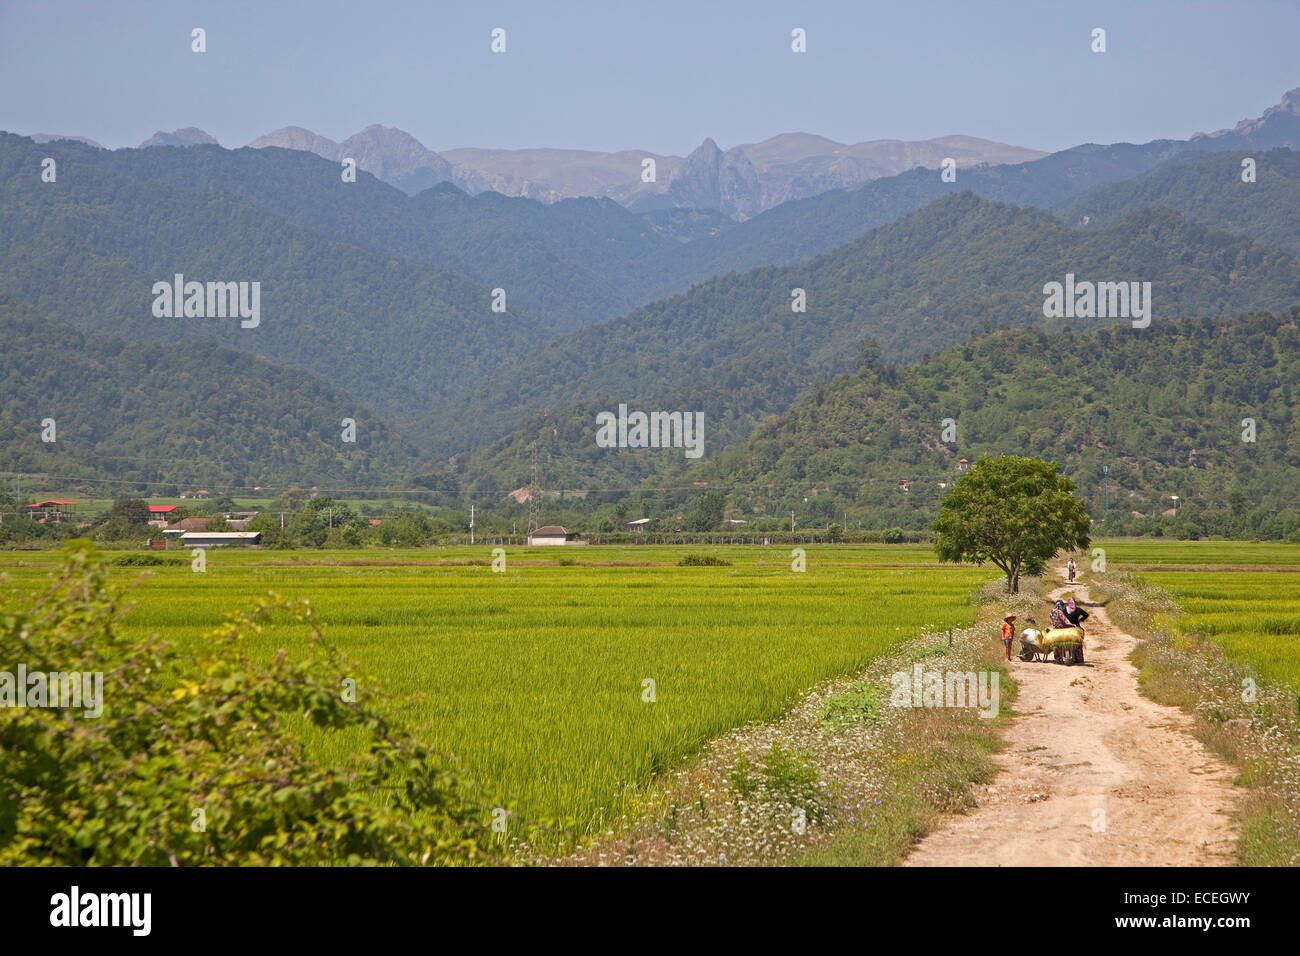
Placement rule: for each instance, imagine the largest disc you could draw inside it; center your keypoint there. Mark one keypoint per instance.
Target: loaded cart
(1063, 644)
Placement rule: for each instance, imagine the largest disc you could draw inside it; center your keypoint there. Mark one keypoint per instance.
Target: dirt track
(1095, 775)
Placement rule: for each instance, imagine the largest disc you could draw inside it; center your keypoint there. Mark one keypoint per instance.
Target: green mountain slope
(185, 413)
(803, 228)
(1163, 409)
(575, 262)
(1210, 190)
(733, 348)
(89, 247)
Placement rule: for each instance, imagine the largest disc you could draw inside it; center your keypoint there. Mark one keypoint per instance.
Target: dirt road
(1095, 775)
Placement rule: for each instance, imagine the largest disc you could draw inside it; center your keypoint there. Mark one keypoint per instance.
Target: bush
(147, 559)
(703, 561)
(178, 735)
(859, 703)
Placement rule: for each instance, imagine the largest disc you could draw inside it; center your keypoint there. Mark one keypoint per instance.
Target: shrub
(178, 735)
(860, 702)
(703, 561)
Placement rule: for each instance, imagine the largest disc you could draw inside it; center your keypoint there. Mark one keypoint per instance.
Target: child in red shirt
(1008, 633)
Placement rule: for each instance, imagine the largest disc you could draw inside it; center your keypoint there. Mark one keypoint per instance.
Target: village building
(216, 539)
(52, 512)
(159, 515)
(551, 534)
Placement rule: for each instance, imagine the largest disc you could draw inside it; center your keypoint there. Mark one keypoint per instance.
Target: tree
(1015, 512)
(130, 510)
(120, 777)
(707, 515)
(319, 517)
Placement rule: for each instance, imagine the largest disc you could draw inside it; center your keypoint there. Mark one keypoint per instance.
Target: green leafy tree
(221, 735)
(708, 512)
(130, 510)
(1012, 511)
(319, 519)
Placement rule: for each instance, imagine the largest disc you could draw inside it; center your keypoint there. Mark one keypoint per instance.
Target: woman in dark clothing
(1076, 616)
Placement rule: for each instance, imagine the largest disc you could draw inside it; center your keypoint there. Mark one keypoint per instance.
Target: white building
(550, 534)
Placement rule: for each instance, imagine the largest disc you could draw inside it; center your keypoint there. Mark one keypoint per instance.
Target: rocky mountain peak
(189, 136)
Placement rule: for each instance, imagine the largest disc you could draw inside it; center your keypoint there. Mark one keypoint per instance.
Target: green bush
(147, 559)
(179, 735)
(703, 561)
(860, 702)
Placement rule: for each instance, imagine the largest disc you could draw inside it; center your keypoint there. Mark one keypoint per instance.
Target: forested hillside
(1210, 190)
(734, 348)
(1162, 408)
(89, 247)
(184, 413)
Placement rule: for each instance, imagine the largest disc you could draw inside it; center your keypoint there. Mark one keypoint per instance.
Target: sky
(658, 76)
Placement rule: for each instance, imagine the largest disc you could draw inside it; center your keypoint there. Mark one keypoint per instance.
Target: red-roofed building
(159, 515)
(52, 511)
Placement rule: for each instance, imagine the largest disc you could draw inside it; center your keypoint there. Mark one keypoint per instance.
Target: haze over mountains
(740, 182)
(388, 296)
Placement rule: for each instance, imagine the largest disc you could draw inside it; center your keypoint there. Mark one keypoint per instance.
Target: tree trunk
(1013, 579)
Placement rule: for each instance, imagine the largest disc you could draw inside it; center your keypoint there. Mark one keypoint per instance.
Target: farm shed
(215, 539)
(52, 511)
(550, 534)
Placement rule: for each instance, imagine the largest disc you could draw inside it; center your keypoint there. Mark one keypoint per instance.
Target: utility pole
(1105, 470)
(471, 523)
(533, 492)
(792, 521)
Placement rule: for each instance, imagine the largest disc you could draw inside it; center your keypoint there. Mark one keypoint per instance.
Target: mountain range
(382, 297)
(739, 182)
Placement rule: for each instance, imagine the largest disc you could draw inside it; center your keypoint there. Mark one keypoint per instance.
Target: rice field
(1254, 617)
(1151, 552)
(539, 679)
(1244, 596)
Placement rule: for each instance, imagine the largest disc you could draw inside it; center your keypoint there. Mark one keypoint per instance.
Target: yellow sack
(1062, 637)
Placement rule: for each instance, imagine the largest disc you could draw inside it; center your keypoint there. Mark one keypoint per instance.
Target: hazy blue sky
(660, 75)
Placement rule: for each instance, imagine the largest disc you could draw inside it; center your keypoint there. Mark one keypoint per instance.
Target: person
(1071, 568)
(1076, 616)
(1073, 613)
(1008, 633)
(1056, 617)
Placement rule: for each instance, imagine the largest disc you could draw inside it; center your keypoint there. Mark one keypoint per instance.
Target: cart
(1062, 644)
